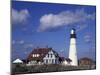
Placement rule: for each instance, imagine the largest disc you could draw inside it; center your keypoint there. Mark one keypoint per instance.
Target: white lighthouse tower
(72, 49)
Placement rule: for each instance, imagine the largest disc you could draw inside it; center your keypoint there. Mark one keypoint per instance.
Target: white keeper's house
(43, 56)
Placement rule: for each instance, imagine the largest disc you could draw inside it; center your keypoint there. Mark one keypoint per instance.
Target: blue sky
(48, 24)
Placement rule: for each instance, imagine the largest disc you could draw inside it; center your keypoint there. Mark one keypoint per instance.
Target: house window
(46, 60)
(56, 61)
(51, 55)
(48, 55)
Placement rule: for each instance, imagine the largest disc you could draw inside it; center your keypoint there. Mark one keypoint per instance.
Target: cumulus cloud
(80, 27)
(21, 42)
(48, 21)
(20, 17)
(87, 38)
(29, 45)
(18, 42)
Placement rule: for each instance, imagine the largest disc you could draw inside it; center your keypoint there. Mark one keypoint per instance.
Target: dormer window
(35, 55)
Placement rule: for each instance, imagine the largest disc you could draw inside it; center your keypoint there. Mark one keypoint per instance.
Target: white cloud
(13, 41)
(48, 21)
(18, 41)
(29, 45)
(80, 27)
(87, 38)
(20, 16)
(21, 42)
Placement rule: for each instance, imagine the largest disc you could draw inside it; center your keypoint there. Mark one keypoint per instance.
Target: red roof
(41, 51)
(85, 58)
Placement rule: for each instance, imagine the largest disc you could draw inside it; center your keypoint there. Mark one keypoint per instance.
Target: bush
(21, 69)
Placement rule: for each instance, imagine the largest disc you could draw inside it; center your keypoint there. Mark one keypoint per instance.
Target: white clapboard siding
(50, 58)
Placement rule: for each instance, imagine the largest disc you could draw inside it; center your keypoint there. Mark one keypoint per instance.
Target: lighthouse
(72, 48)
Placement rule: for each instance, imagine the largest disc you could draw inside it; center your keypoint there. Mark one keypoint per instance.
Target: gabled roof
(41, 51)
(17, 61)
